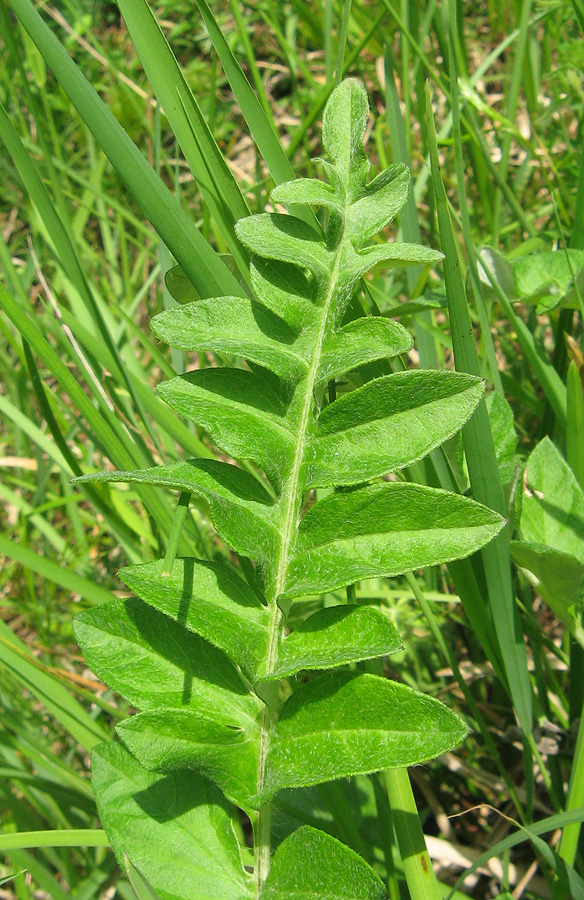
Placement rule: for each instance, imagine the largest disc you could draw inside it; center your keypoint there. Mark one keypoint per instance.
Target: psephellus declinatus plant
(204, 650)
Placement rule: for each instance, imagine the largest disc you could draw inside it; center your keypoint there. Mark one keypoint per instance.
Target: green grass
(502, 90)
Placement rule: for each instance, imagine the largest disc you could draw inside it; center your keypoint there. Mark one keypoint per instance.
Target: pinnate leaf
(240, 410)
(387, 424)
(312, 865)
(210, 599)
(240, 508)
(336, 636)
(362, 341)
(181, 836)
(154, 662)
(183, 739)
(384, 529)
(346, 723)
(237, 326)
(383, 198)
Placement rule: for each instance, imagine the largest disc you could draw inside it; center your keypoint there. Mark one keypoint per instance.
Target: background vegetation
(83, 273)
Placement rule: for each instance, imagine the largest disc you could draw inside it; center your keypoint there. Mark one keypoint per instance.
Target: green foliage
(203, 653)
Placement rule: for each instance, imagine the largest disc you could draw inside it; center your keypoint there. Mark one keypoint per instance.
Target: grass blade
(482, 463)
(218, 186)
(202, 265)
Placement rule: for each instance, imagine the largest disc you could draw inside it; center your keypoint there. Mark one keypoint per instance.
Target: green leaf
(154, 662)
(237, 326)
(336, 636)
(575, 424)
(393, 255)
(503, 428)
(348, 723)
(240, 410)
(180, 286)
(559, 579)
(388, 424)
(362, 341)
(286, 239)
(547, 275)
(239, 506)
(343, 128)
(384, 529)
(307, 191)
(553, 510)
(142, 888)
(334, 870)
(285, 289)
(183, 739)
(211, 600)
(181, 836)
(383, 198)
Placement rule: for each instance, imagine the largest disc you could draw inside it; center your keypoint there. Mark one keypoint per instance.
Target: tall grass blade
(482, 463)
(218, 187)
(197, 258)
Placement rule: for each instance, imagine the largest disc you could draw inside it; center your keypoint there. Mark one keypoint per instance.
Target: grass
(82, 271)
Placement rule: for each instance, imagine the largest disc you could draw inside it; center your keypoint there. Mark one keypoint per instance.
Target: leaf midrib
(290, 503)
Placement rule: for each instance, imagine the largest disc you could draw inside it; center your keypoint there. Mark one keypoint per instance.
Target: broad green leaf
(559, 579)
(384, 529)
(307, 191)
(553, 508)
(499, 269)
(183, 739)
(286, 239)
(547, 275)
(388, 424)
(343, 128)
(360, 342)
(503, 428)
(383, 198)
(285, 289)
(392, 255)
(237, 326)
(240, 410)
(154, 662)
(210, 599)
(180, 286)
(181, 836)
(239, 506)
(350, 723)
(142, 888)
(336, 636)
(335, 870)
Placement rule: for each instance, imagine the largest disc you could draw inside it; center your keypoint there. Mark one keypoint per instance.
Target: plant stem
(571, 834)
(175, 531)
(420, 878)
(290, 505)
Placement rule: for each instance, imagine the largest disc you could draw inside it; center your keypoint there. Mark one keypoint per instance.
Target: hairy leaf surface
(388, 424)
(384, 529)
(347, 723)
(202, 654)
(210, 599)
(180, 836)
(153, 662)
(312, 865)
(334, 637)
